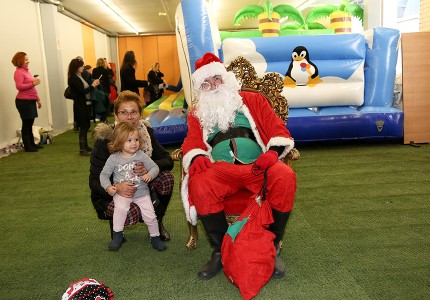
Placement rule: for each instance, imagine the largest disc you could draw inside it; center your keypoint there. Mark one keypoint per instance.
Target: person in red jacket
(233, 138)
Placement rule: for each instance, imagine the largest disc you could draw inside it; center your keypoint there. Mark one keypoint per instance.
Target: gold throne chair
(270, 85)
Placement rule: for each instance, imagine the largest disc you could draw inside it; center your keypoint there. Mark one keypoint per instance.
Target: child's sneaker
(157, 244)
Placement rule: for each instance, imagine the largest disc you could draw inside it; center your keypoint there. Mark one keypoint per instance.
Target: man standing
(233, 137)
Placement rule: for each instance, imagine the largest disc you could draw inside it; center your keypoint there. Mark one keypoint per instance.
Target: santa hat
(208, 65)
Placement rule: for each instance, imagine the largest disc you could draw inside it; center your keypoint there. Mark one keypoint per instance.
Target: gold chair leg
(192, 239)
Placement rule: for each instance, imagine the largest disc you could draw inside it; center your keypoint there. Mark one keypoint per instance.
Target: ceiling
(158, 16)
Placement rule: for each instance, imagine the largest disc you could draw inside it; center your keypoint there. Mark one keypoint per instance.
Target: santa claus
(233, 137)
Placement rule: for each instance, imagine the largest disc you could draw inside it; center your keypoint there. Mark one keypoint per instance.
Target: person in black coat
(81, 90)
(128, 74)
(155, 78)
(128, 109)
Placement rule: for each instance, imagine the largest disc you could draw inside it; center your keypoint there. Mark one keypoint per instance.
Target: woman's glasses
(124, 113)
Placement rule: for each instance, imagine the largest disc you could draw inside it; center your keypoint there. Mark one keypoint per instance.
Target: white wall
(21, 30)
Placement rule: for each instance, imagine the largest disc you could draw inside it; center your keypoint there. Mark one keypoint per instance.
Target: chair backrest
(270, 85)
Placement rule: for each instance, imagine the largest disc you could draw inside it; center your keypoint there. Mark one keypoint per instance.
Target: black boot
(26, 139)
(157, 244)
(278, 228)
(117, 240)
(215, 226)
(160, 206)
(33, 144)
(83, 145)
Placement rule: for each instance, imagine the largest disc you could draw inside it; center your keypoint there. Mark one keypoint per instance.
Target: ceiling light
(118, 14)
(162, 14)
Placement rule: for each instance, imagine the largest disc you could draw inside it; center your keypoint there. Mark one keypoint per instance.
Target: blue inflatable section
(170, 127)
(375, 118)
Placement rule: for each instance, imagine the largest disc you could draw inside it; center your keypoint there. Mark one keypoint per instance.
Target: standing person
(128, 108)
(26, 99)
(124, 147)
(128, 74)
(233, 138)
(86, 74)
(81, 90)
(103, 73)
(156, 81)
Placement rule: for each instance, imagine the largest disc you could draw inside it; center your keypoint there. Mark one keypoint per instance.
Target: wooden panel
(150, 44)
(166, 58)
(416, 87)
(151, 49)
(89, 47)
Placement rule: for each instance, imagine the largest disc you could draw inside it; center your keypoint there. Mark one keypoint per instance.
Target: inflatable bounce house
(168, 118)
(338, 86)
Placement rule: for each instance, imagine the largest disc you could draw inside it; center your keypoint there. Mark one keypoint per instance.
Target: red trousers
(208, 190)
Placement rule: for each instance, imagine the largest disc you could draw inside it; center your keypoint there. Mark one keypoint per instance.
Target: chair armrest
(177, 155)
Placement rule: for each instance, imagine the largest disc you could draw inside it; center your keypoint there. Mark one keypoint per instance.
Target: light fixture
(118, 15)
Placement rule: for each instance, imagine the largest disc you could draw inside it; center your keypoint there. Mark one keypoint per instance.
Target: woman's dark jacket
(79, 95)
(105, 80)
(129, 81)
(101, 134)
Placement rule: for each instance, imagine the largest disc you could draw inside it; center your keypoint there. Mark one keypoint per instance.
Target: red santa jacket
(269, 130)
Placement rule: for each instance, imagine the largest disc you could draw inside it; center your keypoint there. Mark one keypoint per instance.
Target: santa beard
(218, 108)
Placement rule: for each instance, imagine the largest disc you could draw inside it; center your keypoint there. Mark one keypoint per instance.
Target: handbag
(68, 93)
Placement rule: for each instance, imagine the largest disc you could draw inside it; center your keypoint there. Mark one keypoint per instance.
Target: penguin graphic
(301, 70)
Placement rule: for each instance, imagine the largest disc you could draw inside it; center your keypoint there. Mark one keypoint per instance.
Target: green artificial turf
(360, 230)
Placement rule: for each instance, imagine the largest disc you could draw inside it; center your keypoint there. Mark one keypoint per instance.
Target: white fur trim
(254, 129)
(209, 70)
(281, 141)
(187, 159)
(190, 211)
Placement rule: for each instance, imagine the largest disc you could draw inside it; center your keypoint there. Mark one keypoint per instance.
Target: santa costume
(226, 155)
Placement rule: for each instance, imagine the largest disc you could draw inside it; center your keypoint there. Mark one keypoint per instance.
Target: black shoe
(279, 270)
(157, 244)
(37, 146)
(117, 240)
(88, 148)
(84, 152)
(30, 149)
(164, 234)
(211, 268)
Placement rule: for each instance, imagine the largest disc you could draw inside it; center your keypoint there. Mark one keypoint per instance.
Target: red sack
(248, 252)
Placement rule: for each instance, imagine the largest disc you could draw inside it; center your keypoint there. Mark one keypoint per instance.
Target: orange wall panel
(151, 49)
(89, 47)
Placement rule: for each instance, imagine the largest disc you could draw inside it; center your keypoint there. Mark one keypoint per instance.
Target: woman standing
(81, 96)
(155, 78)
(128, 74)
(26, 99)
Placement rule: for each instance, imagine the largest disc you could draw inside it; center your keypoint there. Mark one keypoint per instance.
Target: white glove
(161, 86)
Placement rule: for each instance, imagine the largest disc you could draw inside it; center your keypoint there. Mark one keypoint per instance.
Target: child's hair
(120, 135)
